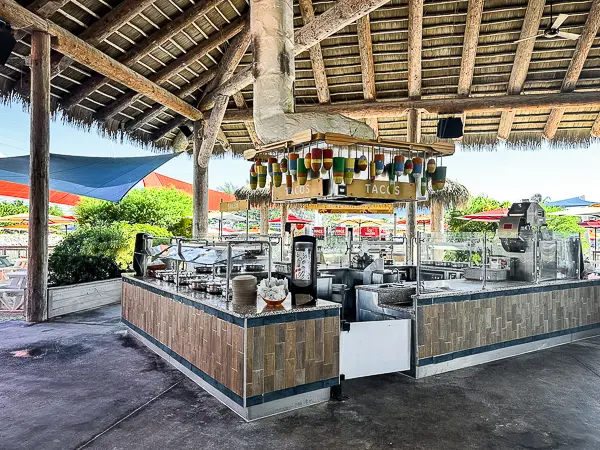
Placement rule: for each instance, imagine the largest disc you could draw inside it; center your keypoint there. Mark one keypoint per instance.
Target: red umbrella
(493, 215)
(590, 224)
(291, 219)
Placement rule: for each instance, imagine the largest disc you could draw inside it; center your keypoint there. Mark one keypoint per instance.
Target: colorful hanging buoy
(257, 164)
(307, 160)
(338, 169)
(277, 175)
(253, 182)
(317, 159)
(438, 179)
(283, 164)
(349, 170)
(372, 171)
(390, 172)
(302, 172)
(363, 163)
(293, 164)
(253, 170)
(327, 158)
(379, 163)
(417, 165)
(408, 166)
(262, 176)
(424, 181)
(398, 165)
(270, 163)
(431, 165)
(288, 183)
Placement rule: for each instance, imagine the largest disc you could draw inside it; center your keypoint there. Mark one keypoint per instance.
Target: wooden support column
(39, 179)
(584, 44)
(518, 74)
(367, 67)
(200, 187)
(415, 43)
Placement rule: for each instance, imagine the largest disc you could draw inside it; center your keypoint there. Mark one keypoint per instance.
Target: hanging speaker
(450, 128)
(7, 41)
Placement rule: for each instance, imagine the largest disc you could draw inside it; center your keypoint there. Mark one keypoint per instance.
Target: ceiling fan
(553, 31)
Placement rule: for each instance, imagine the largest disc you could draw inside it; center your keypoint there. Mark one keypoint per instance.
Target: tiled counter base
(465, 329)
(257, 361)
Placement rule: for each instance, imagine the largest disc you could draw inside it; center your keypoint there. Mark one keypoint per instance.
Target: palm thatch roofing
(257, 197)
(444, 24)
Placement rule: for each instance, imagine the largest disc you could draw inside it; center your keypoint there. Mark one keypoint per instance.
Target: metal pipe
(418, 288)
(247, 224)
(484, 282)
(228, 271)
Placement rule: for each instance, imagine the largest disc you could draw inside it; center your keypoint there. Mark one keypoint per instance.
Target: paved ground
(82, 383)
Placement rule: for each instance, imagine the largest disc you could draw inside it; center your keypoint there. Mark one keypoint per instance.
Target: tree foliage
(161, 207)
(476, 205)
(19, 207)
(563, 224)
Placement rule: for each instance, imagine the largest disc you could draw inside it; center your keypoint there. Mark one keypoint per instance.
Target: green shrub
(95, 253)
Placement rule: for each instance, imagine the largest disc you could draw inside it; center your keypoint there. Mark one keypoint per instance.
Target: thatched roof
(257, 197)
(454, 195)
(444, 24)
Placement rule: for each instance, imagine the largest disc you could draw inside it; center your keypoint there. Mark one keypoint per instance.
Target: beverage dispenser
(303, 285)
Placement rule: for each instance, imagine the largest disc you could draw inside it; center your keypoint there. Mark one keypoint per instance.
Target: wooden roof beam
(156, 109)
(367, 67)
(584, 43)
(180, 63)
(342, 14)
(456, 105)
(471, 38)
(415, 47)
(95, 34)
(149, 44)
(82, 52)
(212, 126)
(240, 102)
(316, 55)
(531, 26)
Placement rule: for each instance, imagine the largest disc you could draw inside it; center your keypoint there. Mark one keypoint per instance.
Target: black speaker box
(450, 128)
(7, 42)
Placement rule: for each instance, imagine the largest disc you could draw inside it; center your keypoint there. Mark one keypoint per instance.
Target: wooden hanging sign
(399, 191)
(312, 189)
(239, 205)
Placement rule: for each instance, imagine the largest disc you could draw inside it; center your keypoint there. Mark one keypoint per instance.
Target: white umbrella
(579, 211)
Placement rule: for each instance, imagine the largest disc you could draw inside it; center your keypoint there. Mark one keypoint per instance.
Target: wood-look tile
(279, 380)
(280, 356)
(290, 373)
(269, 364)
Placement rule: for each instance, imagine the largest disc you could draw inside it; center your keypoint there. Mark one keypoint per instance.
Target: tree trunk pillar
(200, 189)
(437, 226)
(39, 179)
(414, 135)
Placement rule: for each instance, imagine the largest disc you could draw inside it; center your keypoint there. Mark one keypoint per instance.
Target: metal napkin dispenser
(303, 280)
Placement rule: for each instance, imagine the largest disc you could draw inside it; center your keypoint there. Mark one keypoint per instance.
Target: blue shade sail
(102, 178)
(571, 202)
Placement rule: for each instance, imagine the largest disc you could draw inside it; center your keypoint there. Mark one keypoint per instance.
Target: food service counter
(255, 359)
(458, 324)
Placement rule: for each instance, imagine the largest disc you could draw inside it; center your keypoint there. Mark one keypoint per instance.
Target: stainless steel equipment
(141, 253)
(522, 223)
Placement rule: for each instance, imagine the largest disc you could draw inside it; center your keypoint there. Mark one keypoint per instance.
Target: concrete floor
(81, 382)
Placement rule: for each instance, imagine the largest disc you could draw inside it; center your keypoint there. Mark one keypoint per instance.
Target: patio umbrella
(582, 211)
(23, 219)
(361, 221)
(226, 216)
(493, 215)
(291, 219)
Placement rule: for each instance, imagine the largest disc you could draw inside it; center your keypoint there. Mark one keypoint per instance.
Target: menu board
(369, 232)
(339, 231)
(318, 231)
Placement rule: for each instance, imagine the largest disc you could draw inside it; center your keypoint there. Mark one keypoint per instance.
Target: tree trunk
(200, 197)
(437, 226)
(39, 176)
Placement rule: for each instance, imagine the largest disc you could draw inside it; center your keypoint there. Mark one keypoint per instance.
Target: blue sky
(505, 175)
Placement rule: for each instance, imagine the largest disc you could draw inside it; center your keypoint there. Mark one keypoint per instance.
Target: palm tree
(228, 187)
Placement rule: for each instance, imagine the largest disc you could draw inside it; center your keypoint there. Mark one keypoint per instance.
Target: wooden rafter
(212, 126)
(456, 105)
(144, 47)
(98, 31)
(316, 55)
(156, 109)
(467, 66)
(584, 43)
(531, 25)
(80, 51)
(367, 67)
(44, 9)
(168, 71)
(240, 102)
(415, 46)
(343, 13)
